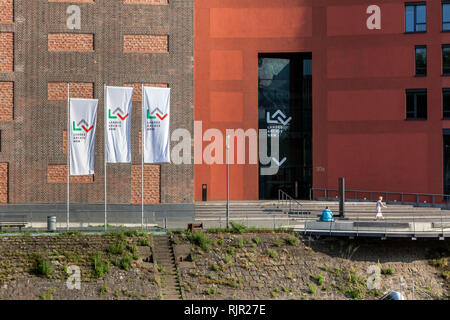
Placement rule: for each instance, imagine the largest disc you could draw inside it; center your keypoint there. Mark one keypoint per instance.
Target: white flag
(118, 114)
(83, 121)
(156, 125)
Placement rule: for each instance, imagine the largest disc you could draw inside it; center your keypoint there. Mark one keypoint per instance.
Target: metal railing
(288, 203)
(418, 199)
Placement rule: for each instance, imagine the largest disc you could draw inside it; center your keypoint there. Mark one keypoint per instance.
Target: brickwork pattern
(152, 178)
(77, 42)
(144, 43)
(6, 100)
(35, 139)
(3, 182)
(137, 92)
(73, 1)
(154, 2)
(6, 11)
(6, 52)
(58, 90)
(57, 173)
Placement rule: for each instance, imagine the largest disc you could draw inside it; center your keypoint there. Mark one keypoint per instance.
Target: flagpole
(142, 154)
(104, 151)
(68, 154)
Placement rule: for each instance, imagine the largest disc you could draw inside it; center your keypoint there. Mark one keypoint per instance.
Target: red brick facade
(6, 100)
(137, 93)
(58, 90)
(152, 179)
(57, 173)
(6, 52)
(75, 42)
(6, 11)
(144, 43)
(3, 182)
(155, 2)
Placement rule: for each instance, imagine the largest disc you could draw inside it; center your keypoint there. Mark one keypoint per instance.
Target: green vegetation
(117, 247)
(41, 266)
(201, 240)
(48, 294)
(388, 271)
(126, 260)
(293, 241)
(103, 290)
(240, 243)
(312, 288)
(272, 253)
(442, 262)
(100, 265)
(237, 227)
(277, 242)
(215, 267)
(256, 240)
(143, 242)
(227, 259)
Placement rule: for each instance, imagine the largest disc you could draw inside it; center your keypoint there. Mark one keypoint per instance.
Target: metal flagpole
(142, 154)
(228, 184)
(68, 154)
(104, 151)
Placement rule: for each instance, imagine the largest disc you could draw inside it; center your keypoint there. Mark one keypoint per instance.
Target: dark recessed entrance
(285, 103)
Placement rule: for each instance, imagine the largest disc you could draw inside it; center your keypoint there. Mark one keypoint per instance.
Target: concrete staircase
(274, 207)
(164, 257)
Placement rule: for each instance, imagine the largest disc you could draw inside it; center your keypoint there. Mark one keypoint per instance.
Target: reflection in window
(421, 60)
(446, 103)
(446, 16)
(415, 17)
(416, 104)
(446, 59)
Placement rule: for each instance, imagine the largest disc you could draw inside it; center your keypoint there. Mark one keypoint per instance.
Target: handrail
(284, 197)
(388, 195)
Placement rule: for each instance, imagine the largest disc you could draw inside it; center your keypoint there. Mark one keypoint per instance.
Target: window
(415, 17)
(416, 104)
(446, 16)
(446, 103)
(446, 59)
(421, 60)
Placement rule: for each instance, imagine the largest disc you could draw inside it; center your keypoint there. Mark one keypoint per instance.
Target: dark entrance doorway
(285, 104)
(446, 136)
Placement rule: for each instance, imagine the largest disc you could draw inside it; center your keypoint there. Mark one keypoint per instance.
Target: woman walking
(379, 205)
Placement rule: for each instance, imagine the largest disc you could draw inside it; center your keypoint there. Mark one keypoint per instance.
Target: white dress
(379, 214)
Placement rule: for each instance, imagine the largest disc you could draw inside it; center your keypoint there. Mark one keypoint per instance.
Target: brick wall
(75, 42)
(152, 181)
(6, 11)
(57, 173)
(157, 2)
(6, 100)
(4, 182)
(6, 52)
(144, 43)
(58, 90)
(74, 1)
(137, 94)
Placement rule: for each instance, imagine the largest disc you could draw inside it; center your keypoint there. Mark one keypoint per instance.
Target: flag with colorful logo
(118, 118)
(83, 120)
(156, 125)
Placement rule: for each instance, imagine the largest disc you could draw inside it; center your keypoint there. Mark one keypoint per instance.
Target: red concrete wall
(359, 82)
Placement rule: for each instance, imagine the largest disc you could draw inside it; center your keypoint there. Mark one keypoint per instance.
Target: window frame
(444, 46)
(415, 5)
(446, 2)
(444, 117)
(415, 92)
(422, 46)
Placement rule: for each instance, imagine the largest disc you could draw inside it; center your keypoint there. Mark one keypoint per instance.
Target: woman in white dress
(379, 205)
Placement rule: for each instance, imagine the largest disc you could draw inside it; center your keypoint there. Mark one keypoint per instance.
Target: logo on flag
(84, 126)
(119, 112)
(161, 115)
